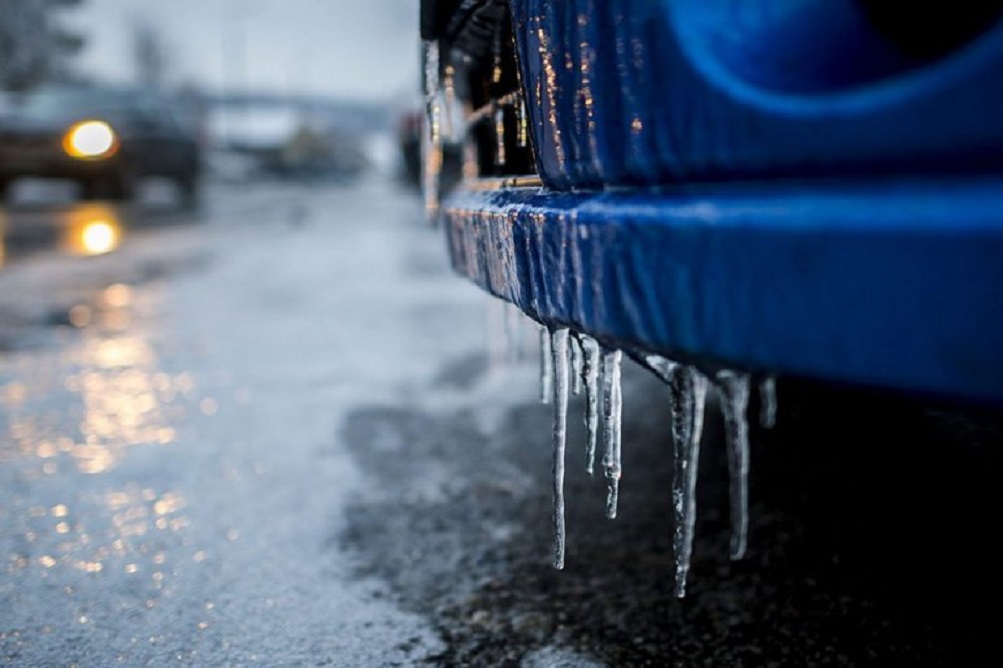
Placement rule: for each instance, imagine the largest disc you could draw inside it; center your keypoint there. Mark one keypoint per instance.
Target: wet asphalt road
(276, 431)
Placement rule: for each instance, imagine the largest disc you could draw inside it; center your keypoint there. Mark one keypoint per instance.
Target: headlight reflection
(93, 229)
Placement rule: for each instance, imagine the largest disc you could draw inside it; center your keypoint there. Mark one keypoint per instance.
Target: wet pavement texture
(869, 542)
(276, 431)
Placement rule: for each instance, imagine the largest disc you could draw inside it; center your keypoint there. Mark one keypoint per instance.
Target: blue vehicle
(728, 192)
(809, 189)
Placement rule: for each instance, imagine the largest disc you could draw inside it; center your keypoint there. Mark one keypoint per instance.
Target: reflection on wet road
(72, 414)
(92, 229)
(78, 228)
(112, 384)
(168, 397)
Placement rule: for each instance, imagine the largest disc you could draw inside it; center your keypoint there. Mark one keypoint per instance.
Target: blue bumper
(898, 286)
(787, 187)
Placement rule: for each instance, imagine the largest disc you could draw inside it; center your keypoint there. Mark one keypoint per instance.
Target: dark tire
(4, 190)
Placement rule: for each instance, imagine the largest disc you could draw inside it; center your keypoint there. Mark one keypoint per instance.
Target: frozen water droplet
(546, 366)
(734, 390)
(590, 378)
(500, 157)
(612, 409)
(576, 364)
(768, 402)
(559, 348)
(688, 392)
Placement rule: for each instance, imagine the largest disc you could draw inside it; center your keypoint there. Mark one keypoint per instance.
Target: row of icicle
(571, 362)
(596, 370)
(446, 123)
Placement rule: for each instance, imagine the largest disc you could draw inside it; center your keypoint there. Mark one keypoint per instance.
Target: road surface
(279, 431)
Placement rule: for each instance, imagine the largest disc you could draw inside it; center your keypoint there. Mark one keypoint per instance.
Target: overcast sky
(357, 48)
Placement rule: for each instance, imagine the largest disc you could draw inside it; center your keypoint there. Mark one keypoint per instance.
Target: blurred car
(106, 139)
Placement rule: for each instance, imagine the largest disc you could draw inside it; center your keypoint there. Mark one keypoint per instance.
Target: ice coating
(663, 367)
(559, 349)
(590, 379)
(734, 390)
(612, 410)
(688, 392)
(546, 366)
(768, 402)
(576, 364)
(432, 140)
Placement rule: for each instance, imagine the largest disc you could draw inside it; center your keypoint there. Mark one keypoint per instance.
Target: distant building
(296, 136)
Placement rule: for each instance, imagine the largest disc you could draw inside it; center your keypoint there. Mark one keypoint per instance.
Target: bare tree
(33, 46)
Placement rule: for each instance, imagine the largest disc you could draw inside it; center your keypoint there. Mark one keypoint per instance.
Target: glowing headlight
(90, 140)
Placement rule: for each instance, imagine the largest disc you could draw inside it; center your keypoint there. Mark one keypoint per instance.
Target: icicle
(768, 402)
(612, 406)
(432, 140)
(513, 331)
(522, 120)
(432, 86)
(500, 157)
(496, 72)
(559, 348)
(449, 91)
(471, 170)
(734, 390)
(546, 366)
(590, 378)
(576, 364)
(688, 391)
